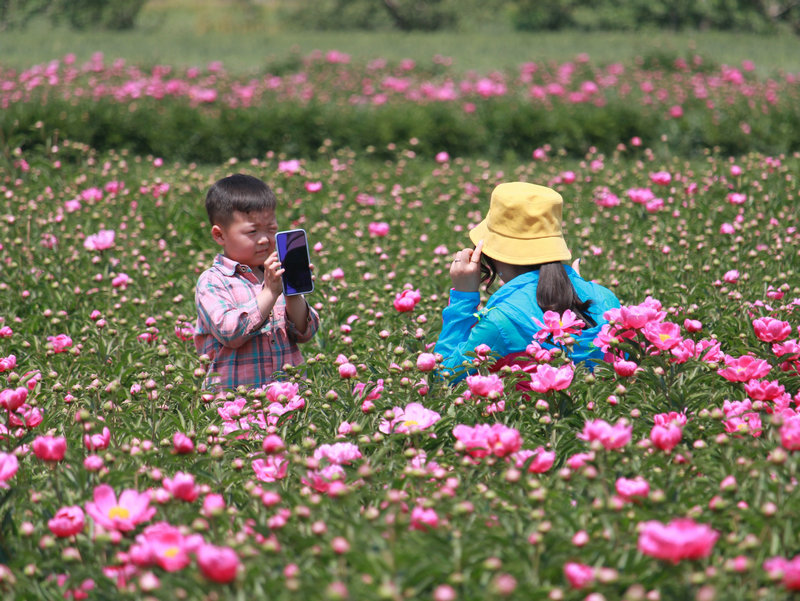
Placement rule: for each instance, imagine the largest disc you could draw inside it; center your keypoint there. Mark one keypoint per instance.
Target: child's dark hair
(239, 192)
(554, 292)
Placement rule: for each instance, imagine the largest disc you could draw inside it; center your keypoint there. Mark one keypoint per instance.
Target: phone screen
(293, 255)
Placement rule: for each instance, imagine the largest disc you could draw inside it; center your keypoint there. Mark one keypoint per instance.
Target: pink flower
(68, 521)
(8, 467)
(667, 436)
(378, 229)
(546, 378)
(483, 439)
(271, 469)
(8, 363)
(490, 386)
(542, 460)
(764, 390)
(442, 157)
(182, 487)
(340, 453)
(628, 489)
(413, 418)
(96, 442)
(768, 329)
(218, 564)
(289, 167)
(624, 368)
(102, 240)
(347, 370)
(787, 570)
(124, 514)
(611, 437)
(790, 434)
(121, 281)
(664, 335)
(182, 444)
(163, 544)
(744, 368)
(213, 504)
(423, 519)
(661, 178)
(692, 325)
(313, 186)
(737, 198)
(426, 362)
(60, 343)
(406, 300)
(679, 539)
(6, 332)
(578, 574)
(50, 448)
(731, 277)
(13, 398)
(558, 326)
(272, 444)
(641, 195)
(676, 111)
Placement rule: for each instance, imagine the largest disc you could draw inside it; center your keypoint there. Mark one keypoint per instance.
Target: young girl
(521, 244)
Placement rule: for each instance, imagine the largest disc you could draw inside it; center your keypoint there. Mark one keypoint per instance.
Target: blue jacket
(506, 323)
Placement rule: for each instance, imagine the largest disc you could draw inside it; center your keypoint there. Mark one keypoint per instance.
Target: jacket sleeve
(230, 323)
(462, 331)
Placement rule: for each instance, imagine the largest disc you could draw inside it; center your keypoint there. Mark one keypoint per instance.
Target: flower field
(667, 472)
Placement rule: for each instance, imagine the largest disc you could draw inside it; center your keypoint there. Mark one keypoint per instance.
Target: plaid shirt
(245, 347)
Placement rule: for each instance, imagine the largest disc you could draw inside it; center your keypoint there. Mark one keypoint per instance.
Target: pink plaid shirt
(245, 347)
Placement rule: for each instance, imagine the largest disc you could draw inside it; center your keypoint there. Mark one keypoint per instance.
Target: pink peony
(271, 469)
(628, 489)
(13, 398)
(9, 464)
(679, 539)
(490, 386)
(102, 240)
(413, 418)
(68, 521)
(50, 448)
(661, 178)
(340, 453)
(483, 439)
(426, 362)
(667, 436)
(558, 326)
(378, 229)
(611, 437)
(182, 487)
(164, 545)
(542, 460)
(406, 300)
(546, 378)
(579, 575)
(768, 329)
(347, 370)
(182, 444)
(423, 519)
(664, 335)
(60, 343)
(124, 514)
(97, 442)
(790, 434)
(744, 368)
(218, 564)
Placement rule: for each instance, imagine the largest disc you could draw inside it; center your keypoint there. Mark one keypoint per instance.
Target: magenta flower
(640, 195)
(96, 442)
(68, 521)
(611, 437)
(182, 486)
(764, 390)
(378, 229)
(426, 362)
(423, 519)
(218, 564)
(664, 335)
(289, 167)
(8, 363)
(340, 453)
(731, 276)
(661, 178)
(787, 570)
(790, 434)
(678, 540)
(50, 448)
(273, 468)
(744, 368)
(313, 186)
(406, 300)
(413, 418)
(558, 326)
(579, 575)
(490, 386)
(629, 489)
(667, 436)
(542, 460)
(484, 439)
(60, 343)
(546, 378)
(347, 370)
(8, 467)
(102, 240)
(13, 398)
(164, 545)
(768, 329)
(182, 444)
(124, 514)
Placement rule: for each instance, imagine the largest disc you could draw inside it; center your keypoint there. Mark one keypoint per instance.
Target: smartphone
(294, 257)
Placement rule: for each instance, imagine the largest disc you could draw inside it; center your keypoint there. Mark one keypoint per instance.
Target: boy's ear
(218, 234)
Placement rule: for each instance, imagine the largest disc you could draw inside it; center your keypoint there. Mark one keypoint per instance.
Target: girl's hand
(465, 270)
(272, 274)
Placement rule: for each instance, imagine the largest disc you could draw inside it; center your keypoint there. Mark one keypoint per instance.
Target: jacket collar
(227, 266)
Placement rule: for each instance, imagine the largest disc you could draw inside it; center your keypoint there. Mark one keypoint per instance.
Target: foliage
(496, 528)
(114, 15)
(680, 104)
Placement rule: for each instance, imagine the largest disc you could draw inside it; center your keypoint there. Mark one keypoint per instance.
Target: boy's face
(249, 238)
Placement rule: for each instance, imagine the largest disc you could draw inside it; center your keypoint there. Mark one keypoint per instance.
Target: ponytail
(556, 293)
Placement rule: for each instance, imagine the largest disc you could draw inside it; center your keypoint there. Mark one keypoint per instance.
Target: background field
(191, 34)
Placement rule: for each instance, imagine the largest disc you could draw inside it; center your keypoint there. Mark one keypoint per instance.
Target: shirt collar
(228, 266)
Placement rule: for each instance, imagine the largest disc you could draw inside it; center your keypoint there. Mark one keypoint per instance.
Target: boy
(244, 324)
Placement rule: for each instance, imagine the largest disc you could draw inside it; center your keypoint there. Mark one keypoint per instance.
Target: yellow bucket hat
(523, 225)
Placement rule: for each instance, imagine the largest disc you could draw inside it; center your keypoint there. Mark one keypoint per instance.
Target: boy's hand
(272, 274)
(465, 270)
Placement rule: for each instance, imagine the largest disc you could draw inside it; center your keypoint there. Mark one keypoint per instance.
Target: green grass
(182, 34)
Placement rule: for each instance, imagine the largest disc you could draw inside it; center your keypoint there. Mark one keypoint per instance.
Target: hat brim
(517, 251)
